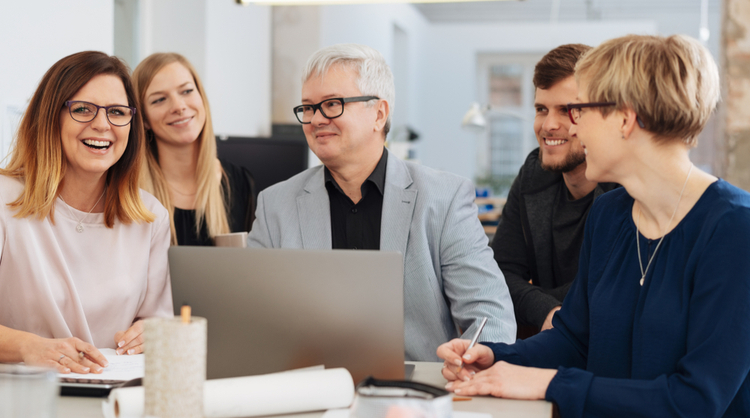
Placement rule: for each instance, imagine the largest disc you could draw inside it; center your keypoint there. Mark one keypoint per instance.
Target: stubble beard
(571, 161)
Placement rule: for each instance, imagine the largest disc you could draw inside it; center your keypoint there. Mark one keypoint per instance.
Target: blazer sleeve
(511, 248)
(472, 282)
(260, 236)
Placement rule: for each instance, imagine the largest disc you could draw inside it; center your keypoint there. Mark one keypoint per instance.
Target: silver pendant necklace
(79, 226)
(664, 234)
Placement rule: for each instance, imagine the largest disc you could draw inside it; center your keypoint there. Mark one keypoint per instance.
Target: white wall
(373, 25)
(230, 47)
(35, 35)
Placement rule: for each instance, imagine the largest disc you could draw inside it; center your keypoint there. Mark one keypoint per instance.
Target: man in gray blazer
(365, 198)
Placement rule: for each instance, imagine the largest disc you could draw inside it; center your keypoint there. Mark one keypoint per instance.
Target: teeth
(181, 121)
(96, 143)
(585, 151)
(554, 141)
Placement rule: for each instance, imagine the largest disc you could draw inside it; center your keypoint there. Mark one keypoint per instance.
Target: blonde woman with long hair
(83, 249)
(204, 195)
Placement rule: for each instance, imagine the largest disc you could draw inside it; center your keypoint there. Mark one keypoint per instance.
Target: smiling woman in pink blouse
(83, 251)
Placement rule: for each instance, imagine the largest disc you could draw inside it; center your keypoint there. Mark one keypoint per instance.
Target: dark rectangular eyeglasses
(574, 109)
(329, 108)
(83, 112)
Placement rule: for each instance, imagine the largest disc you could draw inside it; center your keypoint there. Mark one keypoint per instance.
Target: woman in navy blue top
(657, 322)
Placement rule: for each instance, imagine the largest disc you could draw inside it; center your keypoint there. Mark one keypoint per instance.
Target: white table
(74, 407)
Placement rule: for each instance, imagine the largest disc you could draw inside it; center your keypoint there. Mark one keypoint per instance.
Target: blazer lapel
(314, 210)
(398, 206)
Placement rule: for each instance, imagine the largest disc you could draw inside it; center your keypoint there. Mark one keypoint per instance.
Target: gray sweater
(523, 242)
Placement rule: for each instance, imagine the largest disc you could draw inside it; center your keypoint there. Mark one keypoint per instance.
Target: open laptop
(270, 310)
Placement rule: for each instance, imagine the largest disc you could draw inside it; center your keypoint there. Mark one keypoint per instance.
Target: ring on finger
(61, 357)
(81, 355)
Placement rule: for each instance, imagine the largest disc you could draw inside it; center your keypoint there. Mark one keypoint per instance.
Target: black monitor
(270, 160)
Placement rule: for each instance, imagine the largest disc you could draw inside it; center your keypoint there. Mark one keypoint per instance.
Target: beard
(571, 161)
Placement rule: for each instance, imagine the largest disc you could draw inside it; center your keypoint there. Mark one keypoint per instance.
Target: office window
(505, 84)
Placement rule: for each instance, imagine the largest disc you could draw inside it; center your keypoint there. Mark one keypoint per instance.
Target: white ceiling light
(324, 2)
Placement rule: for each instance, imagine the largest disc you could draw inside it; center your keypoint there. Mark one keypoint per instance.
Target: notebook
(270, 310)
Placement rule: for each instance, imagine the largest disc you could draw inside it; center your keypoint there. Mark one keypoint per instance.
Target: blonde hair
(210, 206)
(671, 83)
(37, 156)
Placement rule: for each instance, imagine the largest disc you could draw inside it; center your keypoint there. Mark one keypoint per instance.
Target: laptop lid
(270, 310)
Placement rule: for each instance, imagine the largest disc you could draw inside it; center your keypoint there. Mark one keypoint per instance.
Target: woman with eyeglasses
(657, 321)
(82, 249)
(205, 196)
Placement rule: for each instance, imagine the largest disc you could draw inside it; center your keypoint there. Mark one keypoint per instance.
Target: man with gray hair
(364, 198)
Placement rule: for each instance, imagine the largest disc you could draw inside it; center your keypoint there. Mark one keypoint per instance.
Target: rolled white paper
(175, 368)
(278, 393)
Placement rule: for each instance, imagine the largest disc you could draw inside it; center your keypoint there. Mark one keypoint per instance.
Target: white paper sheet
(125, 367)
(271, 394)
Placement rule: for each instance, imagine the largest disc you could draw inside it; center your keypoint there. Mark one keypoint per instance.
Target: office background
(444, 58)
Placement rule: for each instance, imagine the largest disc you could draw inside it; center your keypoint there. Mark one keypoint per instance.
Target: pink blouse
(56, 282)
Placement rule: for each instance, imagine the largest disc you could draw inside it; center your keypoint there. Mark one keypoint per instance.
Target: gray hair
(375, 77)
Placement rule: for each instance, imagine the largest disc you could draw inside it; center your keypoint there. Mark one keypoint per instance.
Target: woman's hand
(64, 354)
(130, 341)
(461, 364)
(505, 380)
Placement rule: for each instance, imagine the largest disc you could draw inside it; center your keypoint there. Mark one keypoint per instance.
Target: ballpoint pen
(473, 341)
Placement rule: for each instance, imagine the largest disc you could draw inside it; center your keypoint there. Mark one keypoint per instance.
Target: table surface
(425, 372)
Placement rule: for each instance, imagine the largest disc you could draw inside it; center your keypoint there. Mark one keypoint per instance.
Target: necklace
(179, 192)
(79, 227)
(664, 234)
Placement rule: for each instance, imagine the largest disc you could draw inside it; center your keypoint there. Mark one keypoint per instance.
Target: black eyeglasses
(83, 112)
(574, 109)
(330, 108)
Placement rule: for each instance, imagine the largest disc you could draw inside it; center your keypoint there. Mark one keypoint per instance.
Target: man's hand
(505, 380)
(455, 355)
(548, 322)
(130, 341)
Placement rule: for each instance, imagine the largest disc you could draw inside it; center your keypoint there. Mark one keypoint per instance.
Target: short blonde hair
(671, 83)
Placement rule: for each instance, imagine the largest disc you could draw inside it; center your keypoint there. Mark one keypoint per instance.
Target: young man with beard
(541, 229)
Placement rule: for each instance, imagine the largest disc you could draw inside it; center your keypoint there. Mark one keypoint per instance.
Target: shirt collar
(377, 177)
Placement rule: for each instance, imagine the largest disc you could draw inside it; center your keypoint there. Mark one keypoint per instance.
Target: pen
(474, 340)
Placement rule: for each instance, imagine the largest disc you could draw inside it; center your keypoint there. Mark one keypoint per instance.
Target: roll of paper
(271, 394)
(175, 368)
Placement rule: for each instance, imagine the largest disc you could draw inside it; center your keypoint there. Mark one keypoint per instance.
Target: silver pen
(474, 340)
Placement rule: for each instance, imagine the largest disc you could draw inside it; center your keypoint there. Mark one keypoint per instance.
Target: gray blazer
(450, 276)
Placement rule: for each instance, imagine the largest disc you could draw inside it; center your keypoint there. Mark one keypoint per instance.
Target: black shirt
(568, 223)
(357, 226)
(239, 215)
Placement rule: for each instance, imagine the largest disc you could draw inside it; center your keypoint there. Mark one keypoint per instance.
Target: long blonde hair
(37, 155)
(210, 206)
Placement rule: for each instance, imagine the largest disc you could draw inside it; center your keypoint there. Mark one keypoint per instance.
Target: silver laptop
(270, 310)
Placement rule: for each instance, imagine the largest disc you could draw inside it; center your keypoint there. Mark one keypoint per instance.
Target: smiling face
(173, 107)
(601, 139)
(355, 135)
(558, 150)
(93, 147)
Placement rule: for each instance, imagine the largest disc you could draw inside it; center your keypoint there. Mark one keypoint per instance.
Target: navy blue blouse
(678, 346)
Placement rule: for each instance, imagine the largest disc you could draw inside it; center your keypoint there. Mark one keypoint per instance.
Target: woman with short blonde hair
(205, 196)
(655, 323)
(83, 249)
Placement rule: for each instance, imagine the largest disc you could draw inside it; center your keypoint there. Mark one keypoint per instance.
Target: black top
(357, 226)
(568, 222)
(241, 207)
(526, 248)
